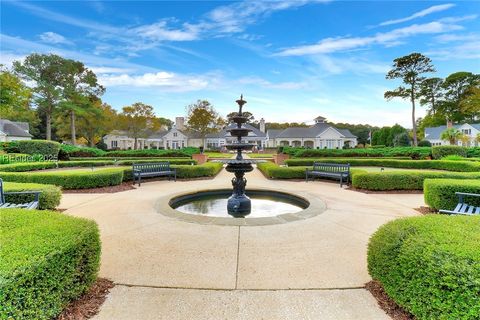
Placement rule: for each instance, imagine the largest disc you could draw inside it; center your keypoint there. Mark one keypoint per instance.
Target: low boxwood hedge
(403, 180)
(448, 165)
(412, 152)
(47, 259)
(271, 170)
(42, 147)
(27, 166)
(208, 169)
(69, 179)
(430, 265)
(74, 151)
(49, 198)
(438, 152)
(440, 193)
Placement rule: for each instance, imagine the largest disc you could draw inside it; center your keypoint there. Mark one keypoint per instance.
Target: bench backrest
(152, 167)
(331, 167)
(2, 195)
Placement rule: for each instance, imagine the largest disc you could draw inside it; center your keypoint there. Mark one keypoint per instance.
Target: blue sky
(293, 60)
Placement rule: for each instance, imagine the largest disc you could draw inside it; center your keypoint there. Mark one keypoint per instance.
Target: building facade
(14, 131)
(433, 134)
(218, 140)
(319, 136)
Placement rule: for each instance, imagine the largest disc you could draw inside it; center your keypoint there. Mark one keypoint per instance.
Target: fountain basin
(268, 207)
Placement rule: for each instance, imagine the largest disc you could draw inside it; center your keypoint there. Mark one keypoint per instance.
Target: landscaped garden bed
(440, 193)
(429, 265)
(47, 259)
(49, 197)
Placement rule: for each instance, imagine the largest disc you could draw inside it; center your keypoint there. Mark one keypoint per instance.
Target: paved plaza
(165, 268)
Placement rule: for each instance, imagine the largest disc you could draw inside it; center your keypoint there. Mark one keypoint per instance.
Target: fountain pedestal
(239, 205)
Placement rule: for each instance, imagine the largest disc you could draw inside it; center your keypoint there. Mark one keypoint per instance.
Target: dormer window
(175, 134)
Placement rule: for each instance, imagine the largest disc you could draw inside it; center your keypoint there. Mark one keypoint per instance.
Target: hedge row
(208, 169)
(403, 180)
(42, 272)
(49, 198)
(440, 193)
(448, 165)
(68, 179)
(412, 152)
(42, 147)
(438, 152)
(30, 166)
(130, 158)
(273, 171)
(430, 265)
(74, 151)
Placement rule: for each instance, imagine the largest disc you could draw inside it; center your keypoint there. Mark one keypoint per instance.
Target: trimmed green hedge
(403, 180)
(69, 179)
(412, 152)
(430, 265)
(74, 151)
(185, 152)
(208, 169)
(448, 165)
(438, 152)
(440, 193)
(273, 171)
(47, 259)
(49, 198)
(131, 158)
(42, 147)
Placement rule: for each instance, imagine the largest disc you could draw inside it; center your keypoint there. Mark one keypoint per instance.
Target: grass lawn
(261, 155)
(219, 155)
(378, 169)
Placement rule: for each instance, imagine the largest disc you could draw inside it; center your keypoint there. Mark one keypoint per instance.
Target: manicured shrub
(27, 166)
(49, 198)
(271, 170)
(47, 260)
(69, 179)
(208, 169)
(42, 147)
(430, 265)
(186, 152)
(440, 193)
(75, 151)
(424, 143)
(473, 152)
(438, 152)
(412, 152)
(403, 180)
(461, 166)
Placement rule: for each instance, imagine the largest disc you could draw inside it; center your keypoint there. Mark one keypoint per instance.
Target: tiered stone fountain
(239, 205)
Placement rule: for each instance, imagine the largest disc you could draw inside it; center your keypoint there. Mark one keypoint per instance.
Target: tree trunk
(49, 125)
(135, 144)
(414, 124)
(72, 127)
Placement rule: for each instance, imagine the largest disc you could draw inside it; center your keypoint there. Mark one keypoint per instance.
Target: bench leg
(139, 180)
(175, 176)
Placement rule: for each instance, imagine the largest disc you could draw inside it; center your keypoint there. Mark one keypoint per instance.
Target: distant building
(219, 139)
(175, 138)
(319, 136)
(12, 131)
(433, 134)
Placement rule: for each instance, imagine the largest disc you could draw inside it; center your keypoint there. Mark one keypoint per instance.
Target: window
(175, 134)
(467, 131)
(114, 144)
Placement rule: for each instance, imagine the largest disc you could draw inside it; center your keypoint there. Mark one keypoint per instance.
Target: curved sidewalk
(170, 269)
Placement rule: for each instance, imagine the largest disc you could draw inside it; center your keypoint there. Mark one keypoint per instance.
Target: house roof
(312, 132)
(273, 133)
(224, 133)
(434, 133)
(14, 129)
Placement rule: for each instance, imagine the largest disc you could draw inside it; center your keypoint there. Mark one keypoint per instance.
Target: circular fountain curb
(316, 206)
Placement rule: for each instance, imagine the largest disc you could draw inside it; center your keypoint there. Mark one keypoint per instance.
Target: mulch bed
(386, 191)
(111, 189)
(88, 304)
(426, 210)
(386, 303)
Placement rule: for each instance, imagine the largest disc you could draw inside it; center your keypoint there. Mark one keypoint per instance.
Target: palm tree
(452, 135)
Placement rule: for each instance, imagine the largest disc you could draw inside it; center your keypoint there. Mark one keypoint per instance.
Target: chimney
(180, 123)
(262, 125)
(449, 124)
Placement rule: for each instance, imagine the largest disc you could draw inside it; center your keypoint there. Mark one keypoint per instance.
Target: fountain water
(239, 205)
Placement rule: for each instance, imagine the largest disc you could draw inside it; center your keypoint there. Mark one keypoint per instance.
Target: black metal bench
(155, 169)
(29, 205)
(329, 170)
(462, 207)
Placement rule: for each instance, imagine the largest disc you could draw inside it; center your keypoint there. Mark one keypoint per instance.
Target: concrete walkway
(168, 269)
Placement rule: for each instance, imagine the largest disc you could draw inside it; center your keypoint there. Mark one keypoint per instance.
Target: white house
(319, 136)
(12, 131)
(255, 136)
(175, 138)
(433, 134)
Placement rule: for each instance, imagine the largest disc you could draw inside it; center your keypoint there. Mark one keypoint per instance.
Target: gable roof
(434, 133)
(273, 133)
(14, 129)
(312, 132)
(224, 133)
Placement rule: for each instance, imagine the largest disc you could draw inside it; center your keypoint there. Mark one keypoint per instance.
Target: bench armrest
(462, 194)
(137, 170)
(36, 193)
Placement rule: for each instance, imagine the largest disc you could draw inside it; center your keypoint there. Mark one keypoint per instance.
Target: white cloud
(270, 85)
(160, 31)
(452, 37)
(467, 50)
(355, 65)
(168, 81)
(330, 45)
(419, 14)
(53, 38)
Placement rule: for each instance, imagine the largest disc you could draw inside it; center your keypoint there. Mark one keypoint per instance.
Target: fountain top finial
(241, 102)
